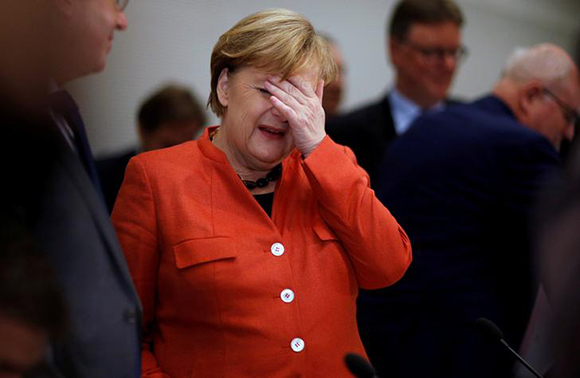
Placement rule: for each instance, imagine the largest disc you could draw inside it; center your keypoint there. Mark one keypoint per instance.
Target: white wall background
(171, 40)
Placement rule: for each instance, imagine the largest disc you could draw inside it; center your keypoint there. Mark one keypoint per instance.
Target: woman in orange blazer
(248, 246)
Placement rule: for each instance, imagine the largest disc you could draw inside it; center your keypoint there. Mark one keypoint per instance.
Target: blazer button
(297, 345)
(287, 295)
(277, 249)
(130, 316)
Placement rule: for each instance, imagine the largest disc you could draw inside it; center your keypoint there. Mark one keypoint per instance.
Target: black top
(266, 201)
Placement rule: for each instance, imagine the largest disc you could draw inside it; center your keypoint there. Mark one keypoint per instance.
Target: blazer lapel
(77, 172)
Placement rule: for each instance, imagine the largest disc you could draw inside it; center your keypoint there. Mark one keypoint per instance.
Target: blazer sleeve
(378, 247)
(135, 223)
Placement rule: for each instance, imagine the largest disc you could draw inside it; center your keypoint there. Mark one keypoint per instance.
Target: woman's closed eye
(264, 91)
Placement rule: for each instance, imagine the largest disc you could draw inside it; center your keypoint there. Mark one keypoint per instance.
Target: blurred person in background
(550, 343)
(559, 266)
(464, 183)
(168, 117)
(51, 183)
(23, 98)
(334, 91)
(568, 146)
(424, 42)
(248, 246)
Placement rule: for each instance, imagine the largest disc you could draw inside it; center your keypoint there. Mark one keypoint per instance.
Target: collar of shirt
(405, 111)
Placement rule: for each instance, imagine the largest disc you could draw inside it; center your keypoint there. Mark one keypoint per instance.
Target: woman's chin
(271, 153)
(269, 160)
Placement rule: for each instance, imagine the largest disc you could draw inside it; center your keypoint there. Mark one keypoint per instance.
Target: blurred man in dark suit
(170, 116)
(51, 184)
(559, 262)
(425, 49)
(463, 183)
(550, 343)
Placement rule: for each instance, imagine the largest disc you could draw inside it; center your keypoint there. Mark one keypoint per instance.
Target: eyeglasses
(435, 54)
(570, 114)
(121, 4)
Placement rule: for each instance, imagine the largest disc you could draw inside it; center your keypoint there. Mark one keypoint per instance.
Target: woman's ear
(223, 86)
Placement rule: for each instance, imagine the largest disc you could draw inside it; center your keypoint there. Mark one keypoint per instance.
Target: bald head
(541, 85)
(545, 62)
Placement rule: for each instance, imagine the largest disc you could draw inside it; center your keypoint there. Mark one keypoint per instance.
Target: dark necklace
(273, 175)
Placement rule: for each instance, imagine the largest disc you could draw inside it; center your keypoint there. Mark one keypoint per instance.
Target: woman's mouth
(272, 132)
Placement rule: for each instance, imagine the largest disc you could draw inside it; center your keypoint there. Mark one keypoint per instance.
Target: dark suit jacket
(462, 183)
(53, 194)
(551, 341)
(111, 171)
(367, 131)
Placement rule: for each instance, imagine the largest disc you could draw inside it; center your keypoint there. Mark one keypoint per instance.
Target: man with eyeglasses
(463, 183)
(52, 187)
(425, 48)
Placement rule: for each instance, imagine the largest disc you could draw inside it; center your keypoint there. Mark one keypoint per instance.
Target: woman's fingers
(295, 86)
(304, 86)
(284, 109)
(283, 95)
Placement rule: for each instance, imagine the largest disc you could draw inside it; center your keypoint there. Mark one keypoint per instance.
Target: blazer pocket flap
(199, 251)
(323, 231)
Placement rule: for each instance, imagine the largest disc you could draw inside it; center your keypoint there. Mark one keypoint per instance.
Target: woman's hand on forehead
(300, 101)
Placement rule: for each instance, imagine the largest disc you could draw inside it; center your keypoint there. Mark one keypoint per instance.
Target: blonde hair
(278, 41)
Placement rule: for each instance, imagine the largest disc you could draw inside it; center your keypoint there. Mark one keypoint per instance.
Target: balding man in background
(425, 48)
(463, 184)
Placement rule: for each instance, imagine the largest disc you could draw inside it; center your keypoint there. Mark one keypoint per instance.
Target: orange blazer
(228, 291)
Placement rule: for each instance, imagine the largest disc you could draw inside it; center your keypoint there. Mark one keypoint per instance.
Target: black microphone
(360, 367)
(490, 329)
